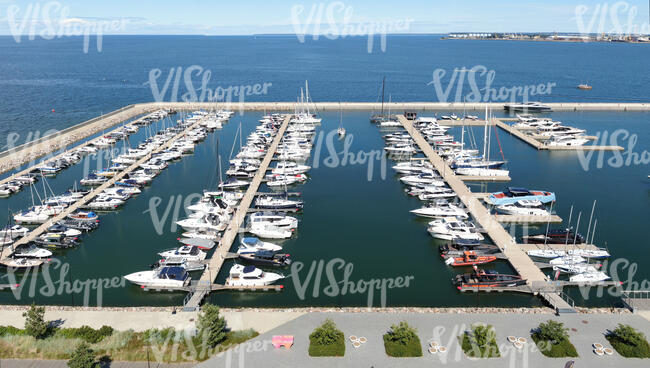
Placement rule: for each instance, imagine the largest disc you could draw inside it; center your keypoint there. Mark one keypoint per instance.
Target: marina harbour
(356, 220)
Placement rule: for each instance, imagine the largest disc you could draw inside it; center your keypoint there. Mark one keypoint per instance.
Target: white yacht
(575, 268)
(559, 141)
(186, 252)
(290, 168)
(165, 277)
(481, 171)
(546, 253)
(206, 222)
(449, 228)
(31, 216)
(14, 231)
(440, 210)
(31, 251)
(250, 276)
(567, 260)
(528, 207)
(422, 180)
(248, 245)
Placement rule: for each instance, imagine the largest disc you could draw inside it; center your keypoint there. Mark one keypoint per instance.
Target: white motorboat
(275, 180)
(31, 216)
(409, 167)
(276, 219)
(440, 210)
(567, 140)
(31, 251)
(185, 252)
(267, 231)
(201, 234)
(589, 277)
(449, 228)
(249, 245)
(13, 231)
(205, 222)
(102, 202)
(165, 277)
(272, 202)
(233, 183)
(481, 171)
(290, 168)
(422, 180)
(250, 276)
(528, 207)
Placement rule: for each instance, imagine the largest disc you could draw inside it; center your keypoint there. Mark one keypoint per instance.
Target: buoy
(53, 110)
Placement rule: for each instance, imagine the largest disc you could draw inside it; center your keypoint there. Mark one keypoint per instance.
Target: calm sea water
(363, 222)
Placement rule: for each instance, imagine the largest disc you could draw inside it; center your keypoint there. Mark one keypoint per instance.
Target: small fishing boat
(469, 258)
(240, 275)
(584, 86)
(88, 216)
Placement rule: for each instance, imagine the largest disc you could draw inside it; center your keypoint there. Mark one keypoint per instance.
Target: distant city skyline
(194, 17)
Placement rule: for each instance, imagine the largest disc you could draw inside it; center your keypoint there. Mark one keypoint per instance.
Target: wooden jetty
(208, 277)
(517, 257)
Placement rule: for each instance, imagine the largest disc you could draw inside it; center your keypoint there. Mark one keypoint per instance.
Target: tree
(326, 334)
(402, 333)
(35, 324)
(211, 325)
(552, 331)
(483, 334)
(82, 357)
(628, 335)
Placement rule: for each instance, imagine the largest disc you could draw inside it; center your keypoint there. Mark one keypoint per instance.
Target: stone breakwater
(396, 310)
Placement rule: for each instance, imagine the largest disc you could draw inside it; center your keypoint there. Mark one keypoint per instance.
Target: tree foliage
(35, 324)
(552, 331)
(82, 357)
(326, 334)
(211, 325)
(402, 333)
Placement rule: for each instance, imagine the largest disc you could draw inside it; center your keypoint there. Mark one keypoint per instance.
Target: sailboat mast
(485, 133)
(383, 85)
(593, 233)
(575, 237)
(593, 207)
(566, 241)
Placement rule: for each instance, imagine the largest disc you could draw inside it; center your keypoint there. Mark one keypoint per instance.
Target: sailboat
(378, 118)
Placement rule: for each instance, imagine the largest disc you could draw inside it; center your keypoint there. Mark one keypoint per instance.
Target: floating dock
(517, 257)
(208, 277)
(528, 219)
(8, 250)
(541, 146)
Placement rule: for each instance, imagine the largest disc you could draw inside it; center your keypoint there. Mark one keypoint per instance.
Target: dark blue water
(40, 75)
(366, 223)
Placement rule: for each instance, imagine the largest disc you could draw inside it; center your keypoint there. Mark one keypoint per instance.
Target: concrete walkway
(121, 320)
(15, 363)
(585, 329)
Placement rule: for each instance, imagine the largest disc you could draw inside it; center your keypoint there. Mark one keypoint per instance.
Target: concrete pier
(517, 257)
(211, 272)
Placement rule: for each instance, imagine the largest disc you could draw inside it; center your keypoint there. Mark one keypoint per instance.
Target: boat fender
(449, 261)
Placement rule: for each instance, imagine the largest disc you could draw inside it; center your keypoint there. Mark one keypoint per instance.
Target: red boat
(469, 258)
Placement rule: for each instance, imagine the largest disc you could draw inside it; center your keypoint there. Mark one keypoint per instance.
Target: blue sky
(279, 16)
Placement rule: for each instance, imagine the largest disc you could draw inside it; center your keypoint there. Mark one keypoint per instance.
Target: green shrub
(629, 342)
(11, 331)
(156, 336)
(480, 342)
(327, 340)
(402, 341)
(552, 339)
(82, 357)
(86, 333)
(212, 325)
(35, 324)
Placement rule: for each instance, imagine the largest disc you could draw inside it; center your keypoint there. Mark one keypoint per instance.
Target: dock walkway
(517, 257)
(8, 250)
(209, 276)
